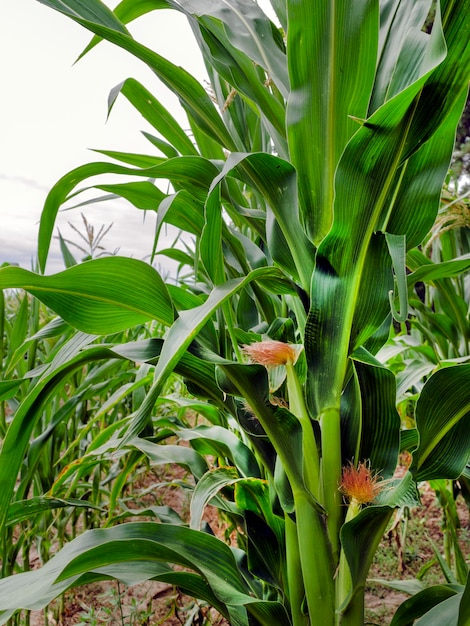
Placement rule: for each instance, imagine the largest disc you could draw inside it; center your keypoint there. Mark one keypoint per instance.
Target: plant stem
(354, 614)
(316, 561)
(295, 584)
(331, 473)
(343, 580)
(311, 463)
(313, 544)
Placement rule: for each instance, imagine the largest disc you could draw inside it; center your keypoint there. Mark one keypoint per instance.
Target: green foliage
(309, 183)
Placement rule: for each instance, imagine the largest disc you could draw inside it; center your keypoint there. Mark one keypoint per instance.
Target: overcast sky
(52, 112)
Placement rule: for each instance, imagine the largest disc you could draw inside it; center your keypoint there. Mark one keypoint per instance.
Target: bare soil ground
(404, 551)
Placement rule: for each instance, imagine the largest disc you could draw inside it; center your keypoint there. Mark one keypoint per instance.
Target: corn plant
(59, 435)
(311, 175)
(437, 332)
(52, 499)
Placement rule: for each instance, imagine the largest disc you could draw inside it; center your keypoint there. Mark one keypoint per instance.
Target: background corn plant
(59, 492)
(311, 175)
(436, 333)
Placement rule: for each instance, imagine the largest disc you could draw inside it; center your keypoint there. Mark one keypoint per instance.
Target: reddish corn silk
(359, 483)
(272, 353)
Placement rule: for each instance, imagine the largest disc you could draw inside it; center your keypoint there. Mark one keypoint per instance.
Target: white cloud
(52, 111)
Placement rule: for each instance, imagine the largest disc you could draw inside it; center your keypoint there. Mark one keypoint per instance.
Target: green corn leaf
(132, 158)
(221, 442)
(22, 510)
(409, 440)
(249, 82)
(198, 374)
(275, 180)
(443, 423)
(283, 429)
(181, 455)
(446, 612)
(372, 429)
(399, 492)
(153, 111)
(409, 586)
(248, 29)
(142, 194)
(464, 609)
(445, 85)
(134, 573)
(194, 173)
(427, 271)
(182, 210)
(402, 46)
(207, 410)
(331, 324)
(265, 530)
(247, 314)
(208, 488)
(161, 145)
(420, 603)
(100, 296)
(210, 246)
(243, 28)
(67, 256)
(19, 327)
(341, 39)
(88, 10)
(412, 377)
(176, 255)
(182, 334)
(369, 165)
(359, 539)
(59, 194)
(419, 182)
(373, 306)
(9, 388)
(129, 10)
(253, 494)
(446, 568)
(146, 544)
(397, 247)
(164, 514)
(191, 94)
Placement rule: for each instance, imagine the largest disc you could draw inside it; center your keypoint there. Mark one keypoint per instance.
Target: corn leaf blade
(443, 422)
(101, 296)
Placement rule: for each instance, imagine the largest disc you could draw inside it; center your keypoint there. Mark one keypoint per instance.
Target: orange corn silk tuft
(359, 484)
(272, 353)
